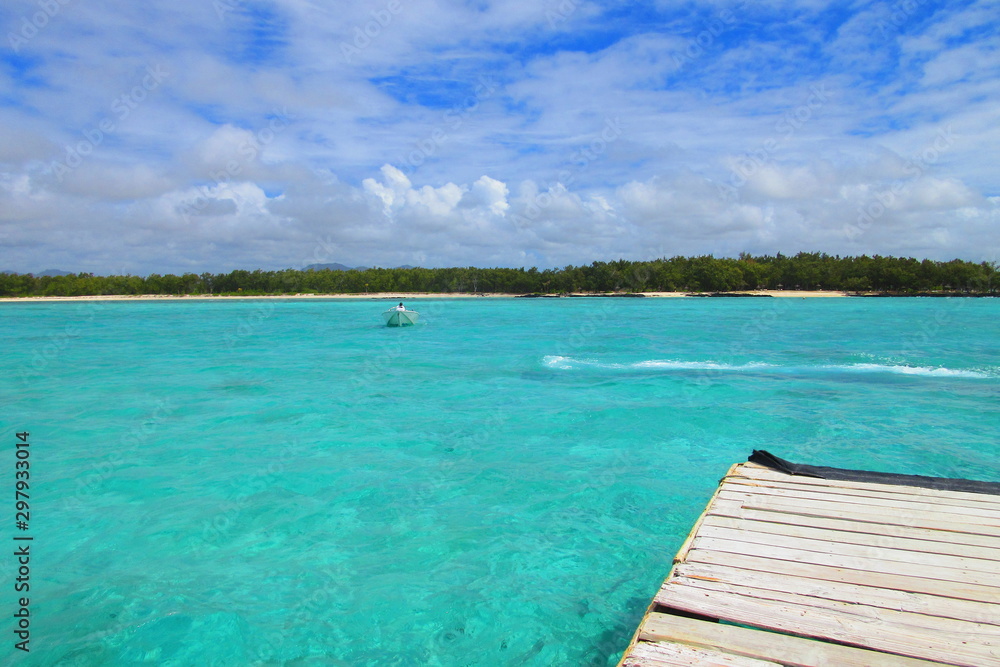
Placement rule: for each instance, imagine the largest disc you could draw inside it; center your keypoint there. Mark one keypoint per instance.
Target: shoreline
(409, 296)
(378, 296)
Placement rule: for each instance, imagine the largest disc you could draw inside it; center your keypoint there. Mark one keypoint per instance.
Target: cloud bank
(188, 136)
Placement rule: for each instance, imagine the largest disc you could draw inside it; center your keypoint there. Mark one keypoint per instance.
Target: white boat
(395, 317)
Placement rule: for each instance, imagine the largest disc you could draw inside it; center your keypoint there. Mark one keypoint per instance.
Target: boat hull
(400, 318)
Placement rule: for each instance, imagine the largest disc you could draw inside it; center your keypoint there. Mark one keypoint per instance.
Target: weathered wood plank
(788, 650)
(928, 519)
(754, 471)
(862, 563)
(989, 568)
(876, 615)
(809, 621)
(738, 510)
(888, 598)
(647, 654)
(913, 494)
(853, 505)
(899, 501)
(960, 591)
(838, 534)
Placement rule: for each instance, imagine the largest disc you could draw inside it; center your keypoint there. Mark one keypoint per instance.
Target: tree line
(806, 271)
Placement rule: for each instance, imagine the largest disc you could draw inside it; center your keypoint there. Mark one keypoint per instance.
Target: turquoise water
(290, 483)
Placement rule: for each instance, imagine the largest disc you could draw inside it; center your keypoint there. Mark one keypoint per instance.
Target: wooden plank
(876, 615)
(933, 520)
(862, 563)
(737, 510)
(886, 492)
(681, 655)
(921, 603)
(960, 591)
(756, 474)
(987, 554)
(789, 650)
(898, 501)
(882, 509)
(809, 621)
(988, 570)
(754, 471)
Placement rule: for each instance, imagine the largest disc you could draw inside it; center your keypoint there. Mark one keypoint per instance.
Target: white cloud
(396, 186)
(965, 62)
(112, 182)
(490, 194)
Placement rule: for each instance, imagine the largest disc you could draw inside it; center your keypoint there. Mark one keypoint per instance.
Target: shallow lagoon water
(291, 483)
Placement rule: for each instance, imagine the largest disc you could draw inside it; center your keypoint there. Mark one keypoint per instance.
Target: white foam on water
(925, 371)
(568, 363)
(702, 365)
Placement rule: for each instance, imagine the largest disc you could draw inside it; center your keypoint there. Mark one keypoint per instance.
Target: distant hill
(47, 272)
(332, 267)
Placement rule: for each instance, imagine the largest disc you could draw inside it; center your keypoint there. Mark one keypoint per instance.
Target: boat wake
(668, 365)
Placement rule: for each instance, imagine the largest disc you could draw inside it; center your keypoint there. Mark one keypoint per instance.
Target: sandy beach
(397, 295)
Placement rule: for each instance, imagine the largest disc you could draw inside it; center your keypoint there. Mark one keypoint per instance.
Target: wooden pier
(785, 569)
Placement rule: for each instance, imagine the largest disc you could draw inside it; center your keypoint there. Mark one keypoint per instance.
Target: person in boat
(400, 306)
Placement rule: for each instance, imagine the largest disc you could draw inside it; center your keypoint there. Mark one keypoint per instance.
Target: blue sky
(210, 136)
